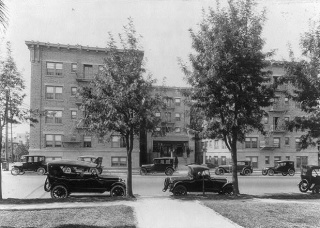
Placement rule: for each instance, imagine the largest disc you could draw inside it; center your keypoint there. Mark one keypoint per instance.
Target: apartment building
(57, 71)
(278, 144)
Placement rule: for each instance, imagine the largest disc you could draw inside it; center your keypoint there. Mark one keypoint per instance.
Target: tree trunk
(129, 173)
(234, 167)
(0, 161)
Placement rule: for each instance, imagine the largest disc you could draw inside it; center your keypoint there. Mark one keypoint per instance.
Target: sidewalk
(151, 212)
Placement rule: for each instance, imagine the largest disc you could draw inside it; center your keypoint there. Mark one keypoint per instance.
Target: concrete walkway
(151, 212)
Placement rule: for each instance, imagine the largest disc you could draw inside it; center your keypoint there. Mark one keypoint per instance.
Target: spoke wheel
(118, 190)
(246, 172)
(143, 172)
(316, 189)
(59, 192)
(15, 171)
(270, 172)
(41, 171)
(228, 190)
(291, 172)
(264, 172)
(99, 170)
(180, 190)
(169, 172)
(47, 185)
(303, 185)
(284, 174)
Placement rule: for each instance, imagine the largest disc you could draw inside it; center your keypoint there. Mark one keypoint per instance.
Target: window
(54, 92)
(158, 129)
(119, 161)
(286, 141)
(286, 100)
(177, 116)
(54, 68)
(168, 116)
(286, 119)
(216, 144)
(88, 71)
(251, 142)
(177, 130)
(87, 141)
(117, 141)
(253, 160)
(266, 118)
(267, 160)
(223, 160)
(177, 101)
(276, 142)
(73, 91)
(74, 67)
(158, 114)
(224, 145)
(53, 141)
(297, 142)
(53, 117)
(215, 160)
(302, 160)
(73, 115)
(288, 158)
(100, 68)
(277, 158)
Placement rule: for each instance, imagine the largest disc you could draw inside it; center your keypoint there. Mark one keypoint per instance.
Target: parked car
(244, 167)
(160, 165)
(198, 176)
(35, 163)
(310, 179)
(61, 184)
(283, 167)
(92, 159)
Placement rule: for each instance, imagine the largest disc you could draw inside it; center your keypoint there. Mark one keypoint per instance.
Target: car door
(240, 166)
(29, 165)
(159, 165)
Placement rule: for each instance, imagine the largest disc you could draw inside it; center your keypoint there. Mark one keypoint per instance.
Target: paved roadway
(30, 185)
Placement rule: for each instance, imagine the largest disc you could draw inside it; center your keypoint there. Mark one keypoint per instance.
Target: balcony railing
(71, 139)
(278, 128)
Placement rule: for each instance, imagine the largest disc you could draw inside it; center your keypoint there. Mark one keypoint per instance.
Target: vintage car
(310, 179)
(36, 163)
(62, 184)
(244, 167)
(283, 167)
(160, 165)
(198, 180)
(93, 159)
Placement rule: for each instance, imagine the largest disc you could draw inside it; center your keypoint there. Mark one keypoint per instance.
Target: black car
(34, 163)
(310, 179)
(283, 167)
(198, 177)
(79, 179)
(243, 167)
(160, 165)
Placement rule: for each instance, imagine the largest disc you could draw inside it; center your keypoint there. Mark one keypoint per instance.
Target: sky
(163, 24)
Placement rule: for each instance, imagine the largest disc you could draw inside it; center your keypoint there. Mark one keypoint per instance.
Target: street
(30, 185)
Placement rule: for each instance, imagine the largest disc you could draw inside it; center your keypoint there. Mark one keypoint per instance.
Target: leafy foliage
(228, 76)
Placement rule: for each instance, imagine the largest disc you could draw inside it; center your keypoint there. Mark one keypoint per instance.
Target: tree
(303, 75)
(11, 95)
(119, 98)
(228, 77)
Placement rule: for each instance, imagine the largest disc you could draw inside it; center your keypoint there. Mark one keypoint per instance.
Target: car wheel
(264, 172)
(303, 185)
(219, 171)
(228, 191)
(47, 185)
(246, 172)
(180, 190)
(118, 190)
(100, 170)
(270, 172)
(93, 171)
(143, 172)
(41, 171)
(316, 189)
(291, 172)
(169, 172)
(59, 192)
(15, 171)
(284, 174)
(22, 172)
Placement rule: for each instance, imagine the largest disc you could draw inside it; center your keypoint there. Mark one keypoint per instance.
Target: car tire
(316, 189)
(180, 190)
(100, 170)
(284, 174)
(291, 172)
(228, 190)
(169, 172)
(59, 192)
(219, 171)
(264, 172)
(117, 190)
(47, 185)
(15, 171)
(143, 172)
(246, 172)
(270, 172)
(41, 171)
(303, 185)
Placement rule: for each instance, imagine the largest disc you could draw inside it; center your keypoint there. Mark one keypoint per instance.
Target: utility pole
(6, 122)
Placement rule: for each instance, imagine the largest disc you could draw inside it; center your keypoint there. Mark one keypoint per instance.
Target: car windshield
(315, 172)
(190, 173)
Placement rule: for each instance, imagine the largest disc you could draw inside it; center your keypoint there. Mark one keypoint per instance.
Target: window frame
(74, 93)
(55, 142)
(249, 144)
(177, 116)
(54, 119)
(119, 163)
(73, 117)
(54, 71)
(74, 70)
(55, 95)
(87, 143)
(177, 101)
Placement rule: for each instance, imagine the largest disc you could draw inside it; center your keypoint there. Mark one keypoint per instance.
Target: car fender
(118, 183)
(59, 183)
(177, 184)
(227, 184)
